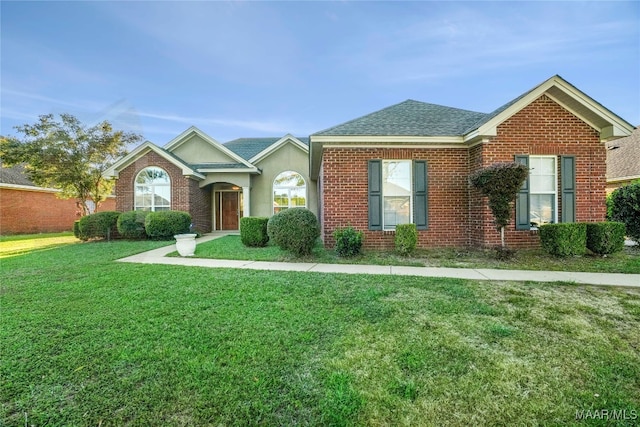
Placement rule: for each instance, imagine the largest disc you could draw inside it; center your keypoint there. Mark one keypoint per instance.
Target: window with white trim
(152, 190)
(543, 190)
(396, 193)
(289, 191)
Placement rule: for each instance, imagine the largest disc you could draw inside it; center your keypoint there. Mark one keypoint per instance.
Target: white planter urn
(186, 244)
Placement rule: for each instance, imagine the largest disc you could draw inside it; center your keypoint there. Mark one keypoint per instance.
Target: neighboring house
(27, 208)
(411, 162)
(216, 183)
(623, 161)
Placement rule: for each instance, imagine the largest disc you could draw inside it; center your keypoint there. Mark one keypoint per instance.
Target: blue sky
(248, 69)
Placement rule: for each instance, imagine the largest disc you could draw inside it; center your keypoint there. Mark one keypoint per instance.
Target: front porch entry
(228, 209)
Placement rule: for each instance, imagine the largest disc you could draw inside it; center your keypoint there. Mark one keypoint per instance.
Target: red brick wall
(543, 128)
(344, 194)
(185, 194)
(458, 215)
(25, 211)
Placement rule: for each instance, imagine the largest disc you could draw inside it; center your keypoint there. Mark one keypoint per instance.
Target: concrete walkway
(158, 256)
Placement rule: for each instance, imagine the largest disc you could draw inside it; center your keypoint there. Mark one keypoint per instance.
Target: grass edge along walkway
(158, 256)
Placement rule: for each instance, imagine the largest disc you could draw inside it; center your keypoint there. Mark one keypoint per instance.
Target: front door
(230, 210)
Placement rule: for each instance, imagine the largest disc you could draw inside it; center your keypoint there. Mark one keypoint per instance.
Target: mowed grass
(627, 261)
(89, 341)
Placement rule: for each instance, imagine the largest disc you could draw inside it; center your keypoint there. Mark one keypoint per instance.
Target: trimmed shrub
(348, 241)
(100, 225)
(564, 239)
(131, 224)
(406, 238)
(163, 225)
(626, 208)
(253, 231)
(295, 230)
(605, 237)
(76, 230)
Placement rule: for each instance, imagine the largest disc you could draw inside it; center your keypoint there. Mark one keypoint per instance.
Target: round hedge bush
(131, 224)
(100, 225)
(295, 230)
(253, 231)
(626, 208)
(163, 225)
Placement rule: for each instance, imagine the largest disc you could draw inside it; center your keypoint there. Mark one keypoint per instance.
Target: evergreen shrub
(564, 239)
(100, 225)
(605, 237)
(131, 225)
(348, 241)
(163, 225)
(253, 231)
(626, 208)
(295, 230)
(406, 238)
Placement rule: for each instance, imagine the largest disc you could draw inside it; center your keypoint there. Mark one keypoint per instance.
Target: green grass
(89, 341)
(627, 261)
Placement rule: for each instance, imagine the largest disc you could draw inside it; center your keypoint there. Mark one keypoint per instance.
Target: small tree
(500, 182)
(68, 155)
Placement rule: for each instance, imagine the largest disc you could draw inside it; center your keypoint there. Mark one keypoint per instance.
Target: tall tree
(68, 155)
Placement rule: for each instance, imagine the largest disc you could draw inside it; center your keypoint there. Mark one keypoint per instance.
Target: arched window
(152, 190)
(289, 191)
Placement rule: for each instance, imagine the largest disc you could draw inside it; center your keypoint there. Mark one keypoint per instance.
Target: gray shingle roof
(410, 118)
(200, 166)
(247, 148)
(15, 175)
(623, 156)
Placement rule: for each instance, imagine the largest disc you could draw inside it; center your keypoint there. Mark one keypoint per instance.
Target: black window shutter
(420, 195)
(568, 172)
(375, 194)
(523, 220)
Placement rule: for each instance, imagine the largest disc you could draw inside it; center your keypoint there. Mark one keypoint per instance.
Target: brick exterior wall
(27, 211)
(458, 215)
(185, 194)
(344, 187)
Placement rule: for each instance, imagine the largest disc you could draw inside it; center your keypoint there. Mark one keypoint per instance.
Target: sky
(258, 69)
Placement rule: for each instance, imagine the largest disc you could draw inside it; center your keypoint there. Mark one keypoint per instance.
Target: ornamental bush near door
(163, 225)
(253, 231)
(295, 230)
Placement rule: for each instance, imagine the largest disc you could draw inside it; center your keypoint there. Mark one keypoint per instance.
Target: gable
(195, 150)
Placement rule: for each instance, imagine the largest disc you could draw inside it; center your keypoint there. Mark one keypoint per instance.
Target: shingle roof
(247, 148)
(410, 118)
(15, 175)
(623, 156)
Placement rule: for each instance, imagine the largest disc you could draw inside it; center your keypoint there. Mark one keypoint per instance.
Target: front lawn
(627, 261)
(89, 341)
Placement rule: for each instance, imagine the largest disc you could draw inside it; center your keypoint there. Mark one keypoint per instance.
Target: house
(27, 208)
(216, 183)
(411, 162)
(623, 161)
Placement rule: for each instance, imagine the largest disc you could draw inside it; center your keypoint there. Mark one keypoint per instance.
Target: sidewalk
(158, 256)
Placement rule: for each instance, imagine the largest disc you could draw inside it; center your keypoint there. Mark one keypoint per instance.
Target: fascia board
(273, 147)
(29, 188)
(623, 178)
(248, 170)
(384, 139)
(183, 137)
(620, 126)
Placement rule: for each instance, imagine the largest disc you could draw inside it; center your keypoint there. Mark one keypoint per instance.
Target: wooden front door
(230, 210)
